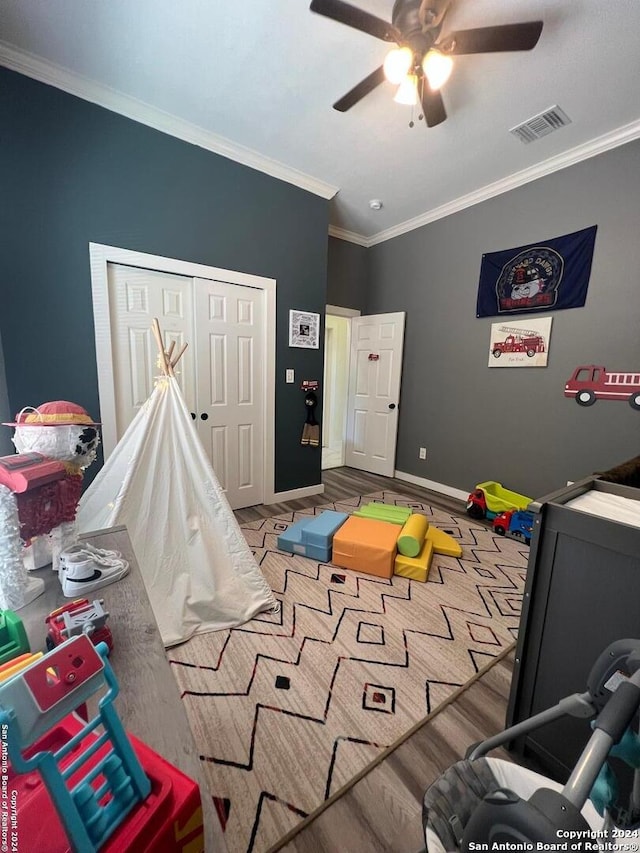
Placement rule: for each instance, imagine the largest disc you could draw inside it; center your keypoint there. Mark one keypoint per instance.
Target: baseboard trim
(432, 485)
(295, 494)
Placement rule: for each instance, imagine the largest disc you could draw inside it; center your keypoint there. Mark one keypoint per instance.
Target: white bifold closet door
(220, 374)
(229, 328)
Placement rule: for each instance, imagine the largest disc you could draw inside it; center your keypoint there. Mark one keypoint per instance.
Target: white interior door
(229, 328)
(375, 373)
(136, 296)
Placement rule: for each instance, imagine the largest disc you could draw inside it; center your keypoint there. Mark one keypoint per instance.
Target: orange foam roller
(412, 535)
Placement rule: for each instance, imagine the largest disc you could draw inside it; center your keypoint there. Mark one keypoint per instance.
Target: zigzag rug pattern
(286, 709)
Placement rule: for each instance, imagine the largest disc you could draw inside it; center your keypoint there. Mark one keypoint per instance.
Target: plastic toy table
(149, 703)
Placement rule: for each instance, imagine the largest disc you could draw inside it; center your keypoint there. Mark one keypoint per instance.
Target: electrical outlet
(423, 453)
(290, 376)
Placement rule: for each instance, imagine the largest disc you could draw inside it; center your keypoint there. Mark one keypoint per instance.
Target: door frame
(347, 313)
(100, 256)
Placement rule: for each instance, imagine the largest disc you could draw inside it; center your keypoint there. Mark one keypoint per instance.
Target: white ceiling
(255, 80)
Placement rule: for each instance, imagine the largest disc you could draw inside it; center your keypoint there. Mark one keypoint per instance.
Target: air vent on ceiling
(541, 125)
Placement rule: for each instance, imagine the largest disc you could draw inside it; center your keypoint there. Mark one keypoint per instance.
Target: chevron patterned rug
(286, 709)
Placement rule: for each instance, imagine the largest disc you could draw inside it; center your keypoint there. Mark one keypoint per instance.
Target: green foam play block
(384, 512)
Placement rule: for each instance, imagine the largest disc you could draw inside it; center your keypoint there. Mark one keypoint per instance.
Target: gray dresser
(582, 593)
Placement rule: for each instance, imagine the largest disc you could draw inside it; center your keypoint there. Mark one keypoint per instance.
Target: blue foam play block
(320, 530)
(312, 537)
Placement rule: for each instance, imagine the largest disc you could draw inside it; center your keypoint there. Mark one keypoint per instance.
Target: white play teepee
(199, 572)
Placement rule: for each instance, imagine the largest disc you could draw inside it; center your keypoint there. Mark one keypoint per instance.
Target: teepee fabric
(199, 572)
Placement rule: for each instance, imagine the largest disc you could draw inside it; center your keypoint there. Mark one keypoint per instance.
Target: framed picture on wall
(304, 329)
(520, 343)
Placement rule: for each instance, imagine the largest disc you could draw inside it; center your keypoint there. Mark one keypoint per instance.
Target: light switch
(290, 376)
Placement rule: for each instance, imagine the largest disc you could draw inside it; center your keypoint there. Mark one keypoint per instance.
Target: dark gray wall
(74, 173)
(6, 447)
(515, 425)
(347, 274)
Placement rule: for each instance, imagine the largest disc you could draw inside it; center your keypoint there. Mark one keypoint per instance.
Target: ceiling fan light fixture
(407, 93)
(437, 68)
(418, 55)
(397, 64)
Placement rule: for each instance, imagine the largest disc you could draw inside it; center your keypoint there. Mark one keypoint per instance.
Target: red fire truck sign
(591, 382)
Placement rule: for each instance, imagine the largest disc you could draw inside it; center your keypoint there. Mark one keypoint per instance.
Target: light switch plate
(290, 376)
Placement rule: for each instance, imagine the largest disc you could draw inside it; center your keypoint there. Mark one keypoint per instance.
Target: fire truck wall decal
(520, 343)
(591, 382)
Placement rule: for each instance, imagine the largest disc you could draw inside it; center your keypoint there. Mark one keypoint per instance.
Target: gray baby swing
(486, 804)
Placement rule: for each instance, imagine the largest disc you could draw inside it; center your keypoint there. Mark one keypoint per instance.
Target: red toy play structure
(591, 382)
(72, 784)
(168, 821)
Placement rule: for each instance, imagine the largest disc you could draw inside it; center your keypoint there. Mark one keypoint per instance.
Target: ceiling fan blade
(492, 39)
(432, 106)
(358, 92)
(344, 13)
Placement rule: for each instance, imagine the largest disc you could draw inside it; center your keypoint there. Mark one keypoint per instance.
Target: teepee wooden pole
(166, 365)
(179, 356)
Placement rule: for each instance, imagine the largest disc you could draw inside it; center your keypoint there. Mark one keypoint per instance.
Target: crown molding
(75, 84)
(349, 236)
(621, 136)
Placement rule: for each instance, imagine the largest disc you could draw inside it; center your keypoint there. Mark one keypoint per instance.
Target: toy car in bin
(490, 499)
(79, 617)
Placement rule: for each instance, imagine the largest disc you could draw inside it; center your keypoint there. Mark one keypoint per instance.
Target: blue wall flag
(544, 276)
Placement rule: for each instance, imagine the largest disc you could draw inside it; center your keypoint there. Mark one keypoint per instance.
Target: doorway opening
(336, 384)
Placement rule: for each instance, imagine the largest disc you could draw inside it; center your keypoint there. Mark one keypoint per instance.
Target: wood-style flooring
(382, 810)
(346, 483)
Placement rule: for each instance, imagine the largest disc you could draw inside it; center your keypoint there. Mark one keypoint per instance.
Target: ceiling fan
(420, 64)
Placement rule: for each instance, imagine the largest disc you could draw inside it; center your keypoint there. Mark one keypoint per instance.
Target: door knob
(204, 416)
(193, 415)
(392, 405)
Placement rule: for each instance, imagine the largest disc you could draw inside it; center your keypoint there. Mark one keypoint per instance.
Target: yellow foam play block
(412, 535)
(415, 568)
(443, 543)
